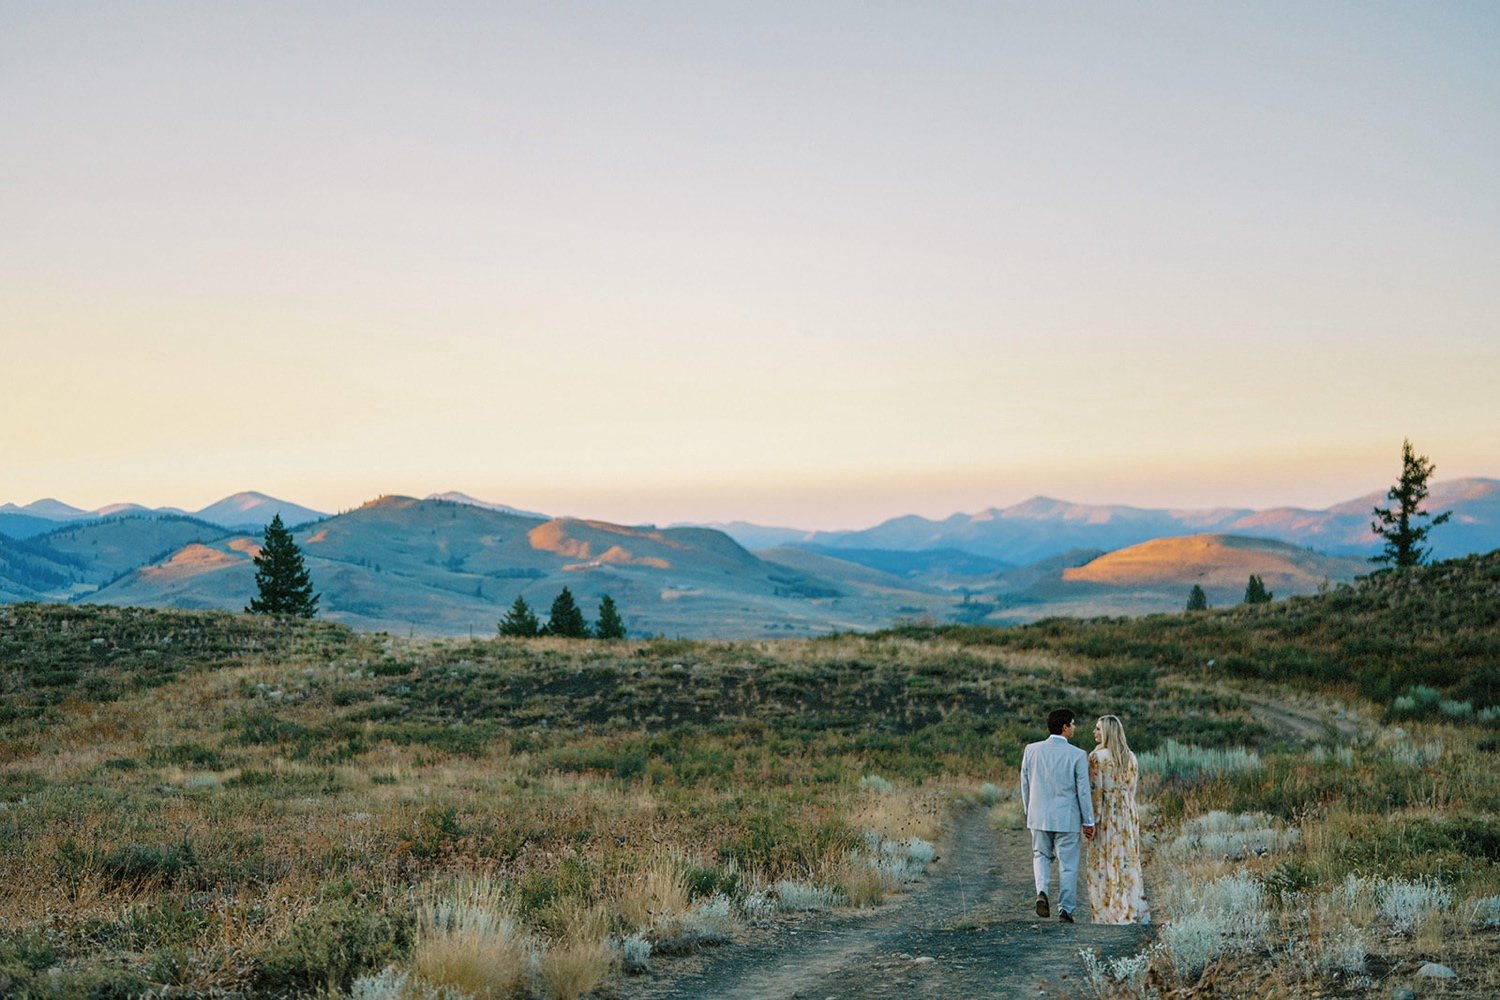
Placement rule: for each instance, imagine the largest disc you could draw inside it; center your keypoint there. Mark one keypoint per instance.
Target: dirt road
(966, 930)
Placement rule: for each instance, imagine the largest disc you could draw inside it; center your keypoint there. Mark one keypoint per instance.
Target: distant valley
(452, 565)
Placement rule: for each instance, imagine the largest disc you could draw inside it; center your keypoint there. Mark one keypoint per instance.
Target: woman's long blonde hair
(1112, 738)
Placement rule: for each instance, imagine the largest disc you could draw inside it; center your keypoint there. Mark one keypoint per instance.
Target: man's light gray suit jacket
(1055, 786)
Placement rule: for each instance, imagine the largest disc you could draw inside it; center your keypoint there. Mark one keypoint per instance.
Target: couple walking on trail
(1071, 796)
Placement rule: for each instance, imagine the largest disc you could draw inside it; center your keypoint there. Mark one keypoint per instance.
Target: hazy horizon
(814, 266)
(733, 518)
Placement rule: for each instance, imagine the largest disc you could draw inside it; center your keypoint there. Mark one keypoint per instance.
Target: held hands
(1088, 832)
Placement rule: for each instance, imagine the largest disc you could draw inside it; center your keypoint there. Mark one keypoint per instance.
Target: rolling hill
(1156, 576)
(1220, 564)
(444, 568)
(80, 557)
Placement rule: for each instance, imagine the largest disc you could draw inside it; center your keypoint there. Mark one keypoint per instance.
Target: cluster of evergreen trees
(1255, 593)
(564, 619)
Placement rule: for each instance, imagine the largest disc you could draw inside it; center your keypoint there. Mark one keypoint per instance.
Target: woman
(1117, 894)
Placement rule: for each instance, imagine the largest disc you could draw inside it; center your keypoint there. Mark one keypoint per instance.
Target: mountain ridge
(1342, 526)
(246, 509)
(445, 566)
(1042, 526)
(441, 567)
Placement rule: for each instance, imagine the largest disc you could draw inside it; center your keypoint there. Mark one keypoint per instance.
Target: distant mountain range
(243, 510)
(449, 568)
(450, 564)
(1042, 527)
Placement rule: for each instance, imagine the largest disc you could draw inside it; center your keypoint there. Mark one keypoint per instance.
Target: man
(1055, 795)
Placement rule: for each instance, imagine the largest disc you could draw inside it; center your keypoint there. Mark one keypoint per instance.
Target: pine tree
(609, 625)
(565, 618)
(520, 620)
(1256, 592)
(281, 580)
(1197, 599)
(1403, 538)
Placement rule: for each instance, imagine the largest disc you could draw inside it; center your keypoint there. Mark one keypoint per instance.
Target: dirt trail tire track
(971, 915)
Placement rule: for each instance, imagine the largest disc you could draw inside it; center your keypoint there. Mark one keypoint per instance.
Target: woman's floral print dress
(1117, 893)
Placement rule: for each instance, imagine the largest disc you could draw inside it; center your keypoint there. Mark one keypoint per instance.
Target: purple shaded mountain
(241, 511)
(249, 510)
(1043, 527)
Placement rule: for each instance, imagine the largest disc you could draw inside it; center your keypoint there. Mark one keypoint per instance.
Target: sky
(809, 264)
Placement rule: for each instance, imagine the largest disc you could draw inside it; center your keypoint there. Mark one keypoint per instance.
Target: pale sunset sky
(814, 264)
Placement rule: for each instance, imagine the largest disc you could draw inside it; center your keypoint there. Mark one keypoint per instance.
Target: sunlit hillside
(1156, 576)
(1221, 564)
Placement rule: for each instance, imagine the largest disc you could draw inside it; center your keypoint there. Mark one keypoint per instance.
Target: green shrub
(340, 940)
(167, 924)
(124, 864)
(30, 951)
(137, 863)
(1137, 679)
(391, 668)
(186, 755)
(1288, 879)
(433, 833)
(55, 678)
(705, 883)
(100, 689)
(169, 966)
(536, 890)
(263, 728)
(100, 982)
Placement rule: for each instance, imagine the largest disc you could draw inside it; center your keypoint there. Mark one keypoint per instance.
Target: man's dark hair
(1057, 718)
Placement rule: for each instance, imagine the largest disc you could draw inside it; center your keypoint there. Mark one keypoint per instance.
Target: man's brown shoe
(1064, 917)
(1042, 909)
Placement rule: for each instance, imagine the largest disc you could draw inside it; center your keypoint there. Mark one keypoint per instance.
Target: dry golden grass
(1007, 814)
(904, 812)
(860, 883)
(575, 966)
(468, 939)
(643, 897)
(581, 957)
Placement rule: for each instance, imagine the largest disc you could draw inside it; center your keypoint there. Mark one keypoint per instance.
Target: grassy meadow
(216, 804)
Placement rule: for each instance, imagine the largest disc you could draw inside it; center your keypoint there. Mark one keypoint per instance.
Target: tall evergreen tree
(282, 584)
(1197, 599)
(565, 619)
(610, 625)
(1256, 592)
(1403, 537)
(520, 620)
